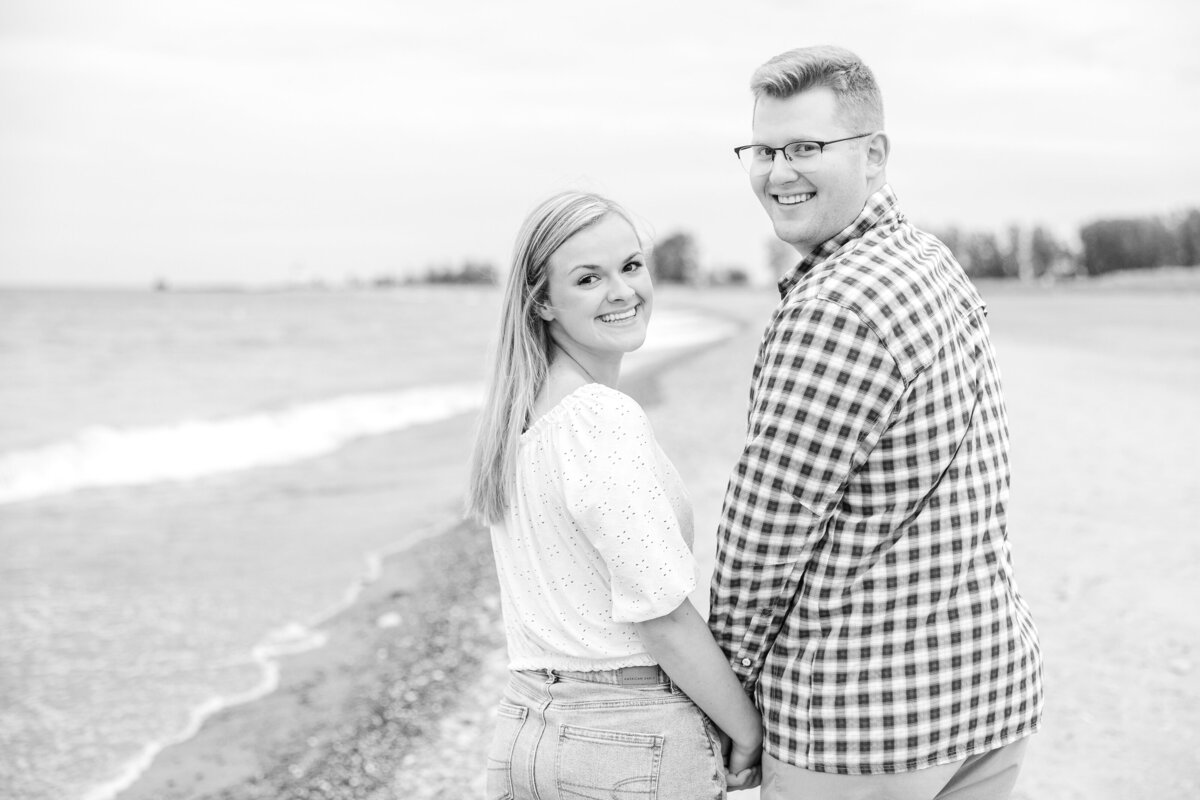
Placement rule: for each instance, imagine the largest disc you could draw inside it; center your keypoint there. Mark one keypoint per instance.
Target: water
(189, 483)
(73, 360)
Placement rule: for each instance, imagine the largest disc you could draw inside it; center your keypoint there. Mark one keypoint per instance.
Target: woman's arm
(681, 644)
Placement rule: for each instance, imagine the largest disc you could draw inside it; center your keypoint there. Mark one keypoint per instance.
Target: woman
(591, 530)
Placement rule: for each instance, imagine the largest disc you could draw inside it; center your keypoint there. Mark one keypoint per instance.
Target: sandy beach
(1102, 383)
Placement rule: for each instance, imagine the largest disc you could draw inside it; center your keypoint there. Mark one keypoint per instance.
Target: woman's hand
(743, 763)
(746, 779)
(683, 646)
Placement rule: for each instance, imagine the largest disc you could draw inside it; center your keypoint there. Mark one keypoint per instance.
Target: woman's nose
(620, 289)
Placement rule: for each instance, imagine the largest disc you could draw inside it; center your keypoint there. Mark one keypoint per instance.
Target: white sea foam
(677, 330)
(685, 329)
(103, 456)
(288, 640)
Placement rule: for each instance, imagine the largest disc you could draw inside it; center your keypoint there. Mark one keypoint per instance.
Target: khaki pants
(987, 776)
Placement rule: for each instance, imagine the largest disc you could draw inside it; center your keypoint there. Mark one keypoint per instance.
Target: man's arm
(827, 388)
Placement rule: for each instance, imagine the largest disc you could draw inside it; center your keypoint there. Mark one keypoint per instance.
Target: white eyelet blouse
(597, 536)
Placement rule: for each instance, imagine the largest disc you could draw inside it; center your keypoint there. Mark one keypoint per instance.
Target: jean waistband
(625, 676)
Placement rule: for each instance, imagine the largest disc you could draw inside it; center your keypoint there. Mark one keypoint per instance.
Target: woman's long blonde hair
(522, 348)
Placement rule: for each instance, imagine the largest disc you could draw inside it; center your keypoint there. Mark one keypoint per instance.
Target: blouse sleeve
(614, 489)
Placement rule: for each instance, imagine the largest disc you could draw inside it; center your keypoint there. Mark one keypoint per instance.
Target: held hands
(743, 763)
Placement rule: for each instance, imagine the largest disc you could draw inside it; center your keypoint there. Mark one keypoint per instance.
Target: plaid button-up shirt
(863, 586)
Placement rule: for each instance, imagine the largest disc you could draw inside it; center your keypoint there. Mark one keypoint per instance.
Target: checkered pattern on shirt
(863, 584)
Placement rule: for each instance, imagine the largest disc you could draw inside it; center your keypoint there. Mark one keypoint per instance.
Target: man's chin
(791, 237)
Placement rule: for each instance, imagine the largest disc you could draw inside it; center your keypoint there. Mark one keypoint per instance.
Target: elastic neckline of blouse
(560, 408)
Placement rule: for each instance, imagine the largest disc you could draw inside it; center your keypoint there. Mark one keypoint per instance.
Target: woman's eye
(633, 265)
(587, 279)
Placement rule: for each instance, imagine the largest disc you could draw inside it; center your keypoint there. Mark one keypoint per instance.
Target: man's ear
(878, 148)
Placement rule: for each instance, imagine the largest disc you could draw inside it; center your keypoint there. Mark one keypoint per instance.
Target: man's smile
(794, 199)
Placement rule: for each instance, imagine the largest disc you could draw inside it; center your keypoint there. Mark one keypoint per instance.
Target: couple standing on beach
(866, 637)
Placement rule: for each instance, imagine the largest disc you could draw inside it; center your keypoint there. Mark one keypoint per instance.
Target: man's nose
(786, 170)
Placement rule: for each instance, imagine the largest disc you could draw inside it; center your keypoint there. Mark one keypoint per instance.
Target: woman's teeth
(620, 315)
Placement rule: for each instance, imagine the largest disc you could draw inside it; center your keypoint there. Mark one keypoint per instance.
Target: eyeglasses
(757, 159)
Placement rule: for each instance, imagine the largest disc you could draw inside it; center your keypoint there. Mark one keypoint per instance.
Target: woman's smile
(618, 317)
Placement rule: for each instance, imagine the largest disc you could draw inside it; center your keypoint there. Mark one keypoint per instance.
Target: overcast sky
(267, 140)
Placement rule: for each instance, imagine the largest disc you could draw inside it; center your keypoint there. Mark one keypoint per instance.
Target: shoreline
(277, 649)
(205, 760)
(343, 717)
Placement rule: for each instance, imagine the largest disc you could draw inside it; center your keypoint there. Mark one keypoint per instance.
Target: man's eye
(763, 153)
(803, 149)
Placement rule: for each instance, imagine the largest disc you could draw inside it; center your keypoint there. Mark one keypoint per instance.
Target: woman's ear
(545, 312)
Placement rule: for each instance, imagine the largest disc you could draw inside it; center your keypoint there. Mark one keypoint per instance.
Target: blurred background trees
(1105, 245)
(1024, 252)
(1140, 243)
(675, 259)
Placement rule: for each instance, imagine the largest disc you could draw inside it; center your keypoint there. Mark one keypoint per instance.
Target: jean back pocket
(602, 765)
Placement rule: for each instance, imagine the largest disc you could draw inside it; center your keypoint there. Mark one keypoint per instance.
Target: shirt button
(746, 662)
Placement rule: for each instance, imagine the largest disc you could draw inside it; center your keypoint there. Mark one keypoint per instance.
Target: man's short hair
(837, 68)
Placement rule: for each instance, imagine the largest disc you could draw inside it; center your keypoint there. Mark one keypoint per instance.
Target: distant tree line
(1018, 252)
(469, 272)
(1106, 245)
(1141, 243)
(676, 259)
(1025, 252)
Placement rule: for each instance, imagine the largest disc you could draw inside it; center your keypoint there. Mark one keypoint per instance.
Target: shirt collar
(879, 208)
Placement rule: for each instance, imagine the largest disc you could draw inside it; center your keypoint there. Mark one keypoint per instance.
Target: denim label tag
(638, 679)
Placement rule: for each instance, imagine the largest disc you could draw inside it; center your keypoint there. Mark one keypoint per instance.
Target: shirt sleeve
(824, 392)
(614, 487)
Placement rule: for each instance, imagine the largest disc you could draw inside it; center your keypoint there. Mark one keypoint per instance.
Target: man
(864, 588)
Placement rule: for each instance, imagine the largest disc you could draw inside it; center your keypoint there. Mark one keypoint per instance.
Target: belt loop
(551, 678)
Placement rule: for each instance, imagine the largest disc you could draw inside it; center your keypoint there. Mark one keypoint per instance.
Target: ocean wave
(104, 456)
(288, 640)
(679, 329)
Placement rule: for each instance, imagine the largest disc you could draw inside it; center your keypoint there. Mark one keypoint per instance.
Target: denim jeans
(562, 738)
